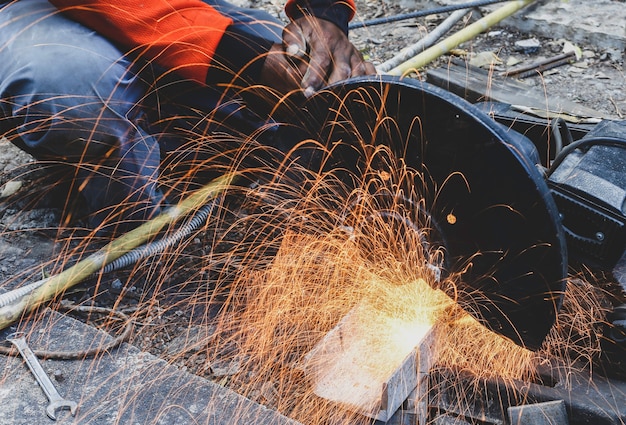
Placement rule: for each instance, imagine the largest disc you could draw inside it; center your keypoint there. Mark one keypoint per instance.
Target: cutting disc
(494, 210)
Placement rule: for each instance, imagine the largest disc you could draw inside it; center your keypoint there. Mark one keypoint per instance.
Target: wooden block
(371, 361)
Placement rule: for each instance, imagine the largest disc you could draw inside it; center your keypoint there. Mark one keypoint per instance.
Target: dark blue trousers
(66, 93)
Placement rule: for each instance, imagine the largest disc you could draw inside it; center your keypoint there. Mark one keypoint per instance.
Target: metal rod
(424, 43)
(541, 65)
(420, 13)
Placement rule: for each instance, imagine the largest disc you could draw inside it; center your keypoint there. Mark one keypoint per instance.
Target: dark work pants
(67, 93)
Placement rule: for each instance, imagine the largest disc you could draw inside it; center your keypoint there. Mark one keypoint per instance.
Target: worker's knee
(61, 84)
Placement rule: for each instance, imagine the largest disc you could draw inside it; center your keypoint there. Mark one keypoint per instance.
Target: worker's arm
(196, 41)
(328, 54)
(318, 34)
(339, 12)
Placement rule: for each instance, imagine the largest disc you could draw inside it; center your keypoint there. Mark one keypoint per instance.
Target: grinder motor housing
(588, 183)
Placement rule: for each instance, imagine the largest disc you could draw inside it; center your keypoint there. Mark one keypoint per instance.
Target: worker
(112, 86)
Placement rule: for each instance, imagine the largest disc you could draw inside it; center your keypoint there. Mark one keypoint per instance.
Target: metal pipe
(424, 43)
(541, 65)
(420, 13)
(454, 40)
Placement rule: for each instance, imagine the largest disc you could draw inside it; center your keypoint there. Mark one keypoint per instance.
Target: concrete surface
(601, 23)
(125, 386)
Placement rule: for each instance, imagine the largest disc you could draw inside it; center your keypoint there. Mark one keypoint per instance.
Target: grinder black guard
(506, 224)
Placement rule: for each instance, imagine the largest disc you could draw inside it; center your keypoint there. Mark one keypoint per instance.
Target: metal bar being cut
(371, 362)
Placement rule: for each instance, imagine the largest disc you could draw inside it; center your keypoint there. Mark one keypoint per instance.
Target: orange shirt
(181, 35)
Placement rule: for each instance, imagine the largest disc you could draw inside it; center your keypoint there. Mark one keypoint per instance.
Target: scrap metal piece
(534, 68)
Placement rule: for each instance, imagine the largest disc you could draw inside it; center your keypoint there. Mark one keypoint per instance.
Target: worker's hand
(315, 52)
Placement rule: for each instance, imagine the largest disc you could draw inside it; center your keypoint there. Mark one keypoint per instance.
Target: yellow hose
(56, 285)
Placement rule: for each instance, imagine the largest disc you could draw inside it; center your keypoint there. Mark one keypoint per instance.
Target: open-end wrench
(56, 402)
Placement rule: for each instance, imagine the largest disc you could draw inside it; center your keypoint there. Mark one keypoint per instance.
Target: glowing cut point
(372, 360)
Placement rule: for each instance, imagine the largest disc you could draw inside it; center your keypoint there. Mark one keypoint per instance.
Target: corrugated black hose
(152, 248)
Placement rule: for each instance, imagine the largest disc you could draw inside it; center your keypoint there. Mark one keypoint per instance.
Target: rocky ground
(31, 240)
(596, 79)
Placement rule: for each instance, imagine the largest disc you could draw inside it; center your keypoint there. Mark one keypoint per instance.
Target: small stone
(191, 341)
(512, 61)
(588, 54)
(485, 59)
(224, 369)
(10, 188)
(528, 46)
(58, 375)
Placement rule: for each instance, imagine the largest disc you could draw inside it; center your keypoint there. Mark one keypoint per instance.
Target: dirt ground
(30, 237)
